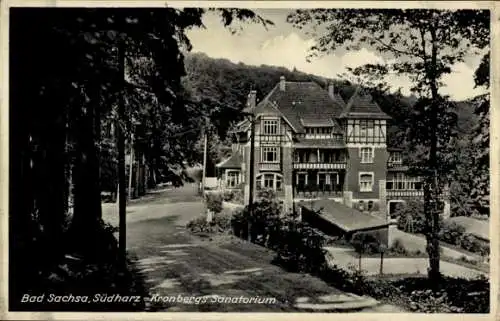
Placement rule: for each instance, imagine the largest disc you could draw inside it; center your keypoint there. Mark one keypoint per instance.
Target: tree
(481, 140)
(423, 45)
(65, 86)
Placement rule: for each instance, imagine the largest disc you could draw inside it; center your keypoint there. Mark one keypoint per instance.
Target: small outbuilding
(337, 219)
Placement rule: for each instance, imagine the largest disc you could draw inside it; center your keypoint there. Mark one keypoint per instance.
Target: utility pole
(121, 157)
(251, 174)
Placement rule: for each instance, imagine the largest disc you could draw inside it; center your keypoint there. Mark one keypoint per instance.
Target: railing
(269, 166)
(309, 165)
(334, 139)
(404, 193)
(394, 164)
(313, 191)
(270, 138)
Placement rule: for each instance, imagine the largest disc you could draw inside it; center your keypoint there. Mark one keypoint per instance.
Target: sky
(283, 45)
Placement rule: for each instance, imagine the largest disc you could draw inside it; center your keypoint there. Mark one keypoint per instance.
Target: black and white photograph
(248, 157)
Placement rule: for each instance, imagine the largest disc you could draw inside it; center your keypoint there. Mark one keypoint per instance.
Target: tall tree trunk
(137, 191)
(53, 197)
(431, 192)
(21, 198)
(87, 208)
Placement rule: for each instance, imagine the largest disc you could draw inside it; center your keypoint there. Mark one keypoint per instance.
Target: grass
(479, 266)
(451, 246)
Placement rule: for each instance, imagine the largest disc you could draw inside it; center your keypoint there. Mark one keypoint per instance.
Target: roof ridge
(350, 102)
(271, 92)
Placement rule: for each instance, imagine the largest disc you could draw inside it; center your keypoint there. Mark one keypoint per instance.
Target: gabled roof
(233, 161)
(362, 105)
(302, 100)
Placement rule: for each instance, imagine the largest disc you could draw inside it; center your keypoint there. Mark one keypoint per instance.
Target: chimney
(252, 98)
(331, 90)
(282, 83)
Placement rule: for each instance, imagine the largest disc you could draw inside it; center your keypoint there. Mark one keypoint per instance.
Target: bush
(235, 196)
(214, 202)
(299, 246)
(220, 223)
(397, 247)
(238, 196)
(449, 295)
(470, 243)
(451, 233)
(427, 301)
(228, 196)
(239, 223)
(350, 280)
(365, 243)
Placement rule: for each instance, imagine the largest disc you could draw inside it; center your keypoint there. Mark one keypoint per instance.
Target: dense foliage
(299, 248)
(79, 76)
(214, 202)
(424, 45)
(411, 219)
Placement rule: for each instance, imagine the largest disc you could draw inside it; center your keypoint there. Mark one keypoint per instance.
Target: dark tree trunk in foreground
(87, 207)
(432, 191)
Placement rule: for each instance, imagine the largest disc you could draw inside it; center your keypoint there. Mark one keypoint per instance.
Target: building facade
(311, 144)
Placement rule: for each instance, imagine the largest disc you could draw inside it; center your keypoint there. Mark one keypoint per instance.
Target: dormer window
(270, 126)
(319, 132)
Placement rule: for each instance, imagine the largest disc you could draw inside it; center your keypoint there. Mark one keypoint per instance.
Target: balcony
(396, 166)
(316, 165)
(269, 166)
(318, 191)
(270, 138)
(404, 193)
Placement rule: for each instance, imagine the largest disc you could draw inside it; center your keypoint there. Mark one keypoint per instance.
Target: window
(270, 127)
(232, 179)
(270, 154)
(366, 154)
(270, 181)
(396, 158)
(365, 182)
(401, 181)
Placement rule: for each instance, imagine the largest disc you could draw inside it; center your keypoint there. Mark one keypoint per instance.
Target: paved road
(174, 263)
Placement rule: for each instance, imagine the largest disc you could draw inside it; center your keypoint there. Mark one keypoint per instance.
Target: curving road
(221, 275)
